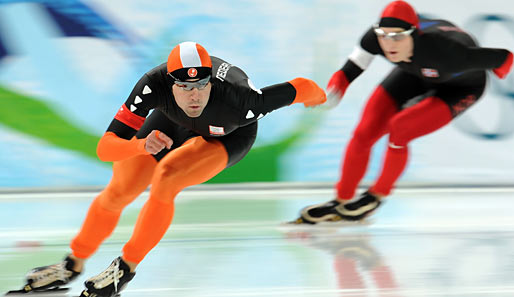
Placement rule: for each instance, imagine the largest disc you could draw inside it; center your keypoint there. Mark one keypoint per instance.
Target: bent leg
(195, 162)
(387, 100)
(130, 178)
(373, 124)
(423, 118)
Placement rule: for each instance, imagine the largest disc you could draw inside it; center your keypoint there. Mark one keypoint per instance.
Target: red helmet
(399, 14)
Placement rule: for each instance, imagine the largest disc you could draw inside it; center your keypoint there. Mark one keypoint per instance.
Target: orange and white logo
(192, 72)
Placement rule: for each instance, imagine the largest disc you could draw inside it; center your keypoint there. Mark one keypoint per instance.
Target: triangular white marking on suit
(138, 100)
(260, 116)
(132, 107)
(250, 114)
(147, 90)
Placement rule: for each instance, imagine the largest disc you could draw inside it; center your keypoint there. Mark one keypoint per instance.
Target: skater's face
(192, 100)
(396, 43)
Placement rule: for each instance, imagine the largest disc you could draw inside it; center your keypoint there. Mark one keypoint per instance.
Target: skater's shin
(130, 178)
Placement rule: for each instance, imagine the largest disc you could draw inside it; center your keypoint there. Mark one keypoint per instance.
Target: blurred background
(67, 66)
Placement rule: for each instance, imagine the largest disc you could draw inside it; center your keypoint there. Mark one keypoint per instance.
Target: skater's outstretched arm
(257, 104)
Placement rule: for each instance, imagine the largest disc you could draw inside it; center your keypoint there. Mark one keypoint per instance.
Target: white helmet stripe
(189, 55)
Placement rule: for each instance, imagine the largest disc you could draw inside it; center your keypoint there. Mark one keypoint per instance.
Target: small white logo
(222, 71)
(260, 116)
(132, 107)
(146, 90)
(392, 145)
(138, 100)
(214, 130)
(250, 115)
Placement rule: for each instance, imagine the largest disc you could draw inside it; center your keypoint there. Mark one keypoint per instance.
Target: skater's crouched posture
(204, 120)
(437, 63)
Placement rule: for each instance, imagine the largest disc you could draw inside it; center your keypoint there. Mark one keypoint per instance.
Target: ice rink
(230, 242)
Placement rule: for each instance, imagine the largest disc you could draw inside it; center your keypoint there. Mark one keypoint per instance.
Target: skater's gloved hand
(308, 92)
(504, 69)
(156, 141)
(336, 88)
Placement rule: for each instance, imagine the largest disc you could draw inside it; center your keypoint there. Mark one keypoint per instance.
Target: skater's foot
(340, 210)
(360, 208)
(110, 281)
(50, 278)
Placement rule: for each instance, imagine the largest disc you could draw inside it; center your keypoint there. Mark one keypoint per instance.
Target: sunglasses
(189, 85)
(395, 36)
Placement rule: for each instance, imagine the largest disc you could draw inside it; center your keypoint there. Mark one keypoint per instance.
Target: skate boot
(323, 212)
(109, 282)
(49, 278)
(335, 210)
(358, 209)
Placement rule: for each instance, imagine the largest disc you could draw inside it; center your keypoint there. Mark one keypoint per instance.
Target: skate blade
(42, 293)
(85, 293)
(325, 224)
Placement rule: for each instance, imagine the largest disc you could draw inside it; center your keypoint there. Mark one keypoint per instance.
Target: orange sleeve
(308, 92)
(113, 148)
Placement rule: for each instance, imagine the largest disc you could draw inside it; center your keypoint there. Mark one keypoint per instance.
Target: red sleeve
(129, 118)
(145, 96)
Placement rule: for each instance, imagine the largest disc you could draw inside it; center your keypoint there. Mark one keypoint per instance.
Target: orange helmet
(189, 60)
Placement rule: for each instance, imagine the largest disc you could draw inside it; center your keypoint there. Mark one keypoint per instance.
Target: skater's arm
(119, 141)
(465, 58)
(113, 148)
(358, 61)
(258, 103)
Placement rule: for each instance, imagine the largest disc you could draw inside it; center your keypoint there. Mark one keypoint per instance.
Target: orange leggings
(195, 162)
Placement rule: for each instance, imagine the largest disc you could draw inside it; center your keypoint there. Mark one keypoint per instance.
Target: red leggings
(381, 116)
